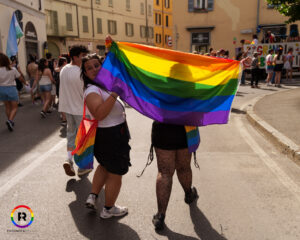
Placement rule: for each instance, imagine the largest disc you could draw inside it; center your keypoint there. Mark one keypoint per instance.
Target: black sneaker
(10, 125)
(159, 221)
(43, 114)
(191, 196)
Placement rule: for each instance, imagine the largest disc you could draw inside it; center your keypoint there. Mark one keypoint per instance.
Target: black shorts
(278, 67)
(112, 149)
(168, 136)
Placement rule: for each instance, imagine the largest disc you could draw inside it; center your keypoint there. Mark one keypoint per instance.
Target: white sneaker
(69, 169)
(82, 171)
(91, 201)
(115, 211)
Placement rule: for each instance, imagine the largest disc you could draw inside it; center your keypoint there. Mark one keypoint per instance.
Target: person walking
(62, 61)
(278, 62)
(71, 103)
(255, 70)
(111, 148)
(288, 64)
(269, 67)
(45, 80)
(8, 91)
(171, 148)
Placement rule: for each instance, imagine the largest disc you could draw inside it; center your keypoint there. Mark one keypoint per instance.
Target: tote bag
(84, 143)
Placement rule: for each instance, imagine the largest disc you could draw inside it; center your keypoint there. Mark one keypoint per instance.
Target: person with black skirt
(111, 148)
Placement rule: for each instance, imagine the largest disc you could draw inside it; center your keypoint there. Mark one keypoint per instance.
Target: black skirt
(168, 136)
(111, 148)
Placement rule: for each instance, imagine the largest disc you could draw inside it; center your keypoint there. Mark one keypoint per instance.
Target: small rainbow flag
(171, 86)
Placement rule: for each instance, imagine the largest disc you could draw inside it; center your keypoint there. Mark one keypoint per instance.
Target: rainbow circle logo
(21, 215)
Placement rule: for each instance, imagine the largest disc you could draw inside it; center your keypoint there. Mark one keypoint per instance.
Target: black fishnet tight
(168, 161)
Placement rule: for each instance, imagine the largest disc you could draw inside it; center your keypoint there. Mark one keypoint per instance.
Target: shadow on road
(30, 131)
(173, 235)
(88, 222)
(202, 226)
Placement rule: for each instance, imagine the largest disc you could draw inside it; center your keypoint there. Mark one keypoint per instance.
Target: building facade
(163, 23)
(202, 24)
(87, 22)
(32, 21)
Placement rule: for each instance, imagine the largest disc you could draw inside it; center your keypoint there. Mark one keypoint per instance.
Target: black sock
(107, 208)
(95, 194)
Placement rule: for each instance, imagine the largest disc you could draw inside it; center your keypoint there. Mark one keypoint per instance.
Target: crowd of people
(67, 84)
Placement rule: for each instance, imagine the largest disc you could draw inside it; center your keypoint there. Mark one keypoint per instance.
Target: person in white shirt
(269, 66)
(111, 147)
(71, 102)
(8, 91)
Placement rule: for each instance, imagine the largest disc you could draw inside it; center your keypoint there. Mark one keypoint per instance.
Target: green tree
(289, 8)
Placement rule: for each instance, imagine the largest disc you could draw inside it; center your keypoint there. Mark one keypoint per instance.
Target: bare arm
(99, 108)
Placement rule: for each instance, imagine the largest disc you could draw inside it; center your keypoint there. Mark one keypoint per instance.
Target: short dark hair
(48, 55)
(75, 50)
(61, 61)
(86, 80)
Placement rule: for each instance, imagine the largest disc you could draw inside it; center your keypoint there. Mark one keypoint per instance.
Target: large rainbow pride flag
(171, 86)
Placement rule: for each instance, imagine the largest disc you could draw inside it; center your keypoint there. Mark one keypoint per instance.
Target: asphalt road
(248, 190)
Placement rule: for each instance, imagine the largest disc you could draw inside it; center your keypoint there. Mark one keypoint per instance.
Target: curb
(286, 145)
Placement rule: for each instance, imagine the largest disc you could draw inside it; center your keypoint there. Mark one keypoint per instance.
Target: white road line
(16, 179)
(267, 160)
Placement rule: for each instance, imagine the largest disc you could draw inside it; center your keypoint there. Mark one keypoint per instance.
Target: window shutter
(69, 22)
(85, 24)
(99, 25)
(210, 5)
(191, 6)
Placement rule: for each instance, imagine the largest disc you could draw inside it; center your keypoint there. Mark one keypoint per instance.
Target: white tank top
(116, 115)
(45, 80)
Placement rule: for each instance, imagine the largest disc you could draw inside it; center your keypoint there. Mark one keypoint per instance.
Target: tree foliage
(289, 8)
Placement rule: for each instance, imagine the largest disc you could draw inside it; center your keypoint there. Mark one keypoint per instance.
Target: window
(85, 24)
(149, 10)
(150, 32)
(158, 38)
(167, 21)
(157, 19)
(167, 3)
(69, 22)
(110, 3)
(201, 38)
(128, 5)
(143, 31)
(142, 9)
(99, 25)
(200, 5)
(112, 27)
(157, 2)
(166, 39)
(52, 21)
(97, 2)
(129, 29)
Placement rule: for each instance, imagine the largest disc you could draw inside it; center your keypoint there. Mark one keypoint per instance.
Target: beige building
(202, 24)
(32, 21)
(88, 22)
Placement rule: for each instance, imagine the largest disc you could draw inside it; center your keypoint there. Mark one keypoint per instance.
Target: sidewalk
(278, 116)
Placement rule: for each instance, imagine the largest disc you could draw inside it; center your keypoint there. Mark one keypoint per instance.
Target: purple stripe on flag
(156, 113)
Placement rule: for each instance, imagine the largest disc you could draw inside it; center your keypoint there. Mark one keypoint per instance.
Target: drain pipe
(257, 16)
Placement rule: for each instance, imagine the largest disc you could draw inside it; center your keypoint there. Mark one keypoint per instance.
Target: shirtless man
(32, 68)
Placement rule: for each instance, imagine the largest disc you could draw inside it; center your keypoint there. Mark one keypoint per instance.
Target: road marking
(267, 160)
(17, 178)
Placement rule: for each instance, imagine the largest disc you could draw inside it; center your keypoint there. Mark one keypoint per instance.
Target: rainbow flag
(170, 86)
(84, 142)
